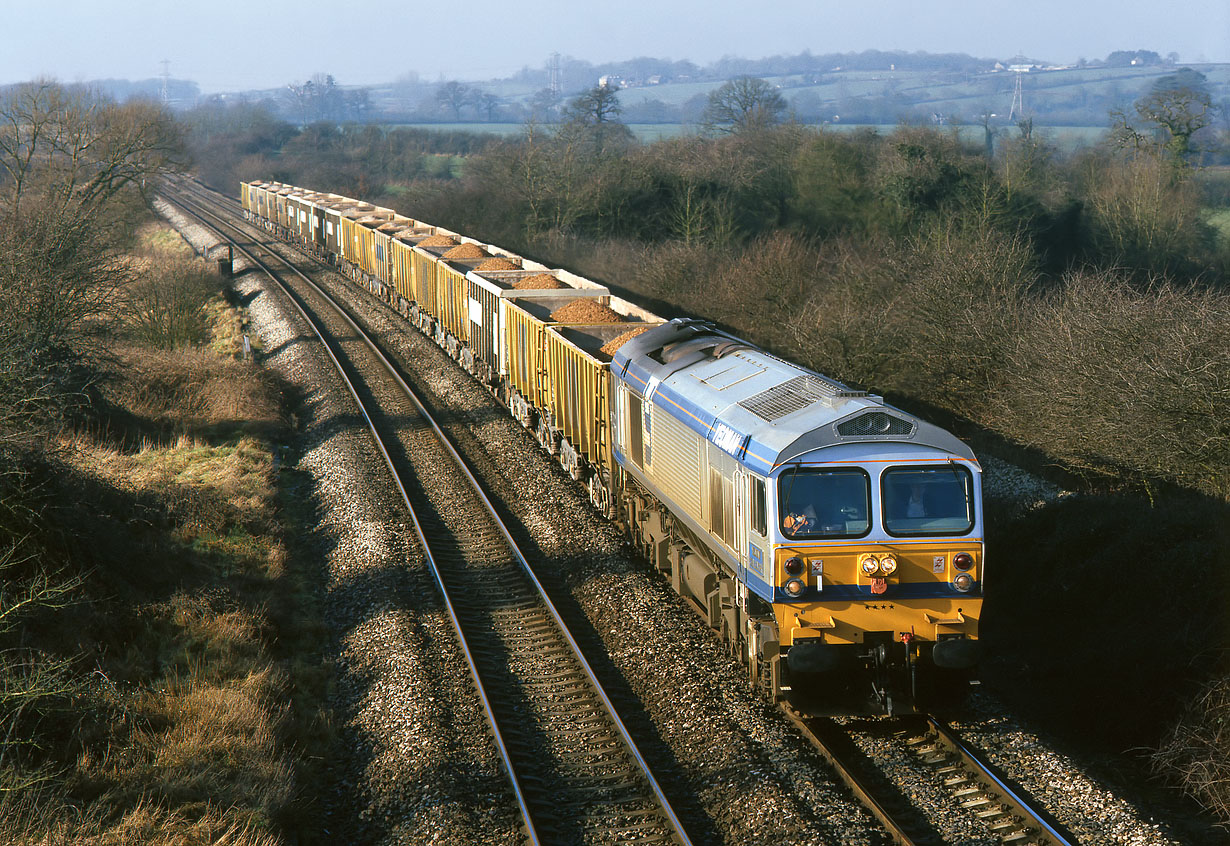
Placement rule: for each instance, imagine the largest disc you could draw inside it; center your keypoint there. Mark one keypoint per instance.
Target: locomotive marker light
(793, 566)
(963, 582)
(794, 587)
(963, 561)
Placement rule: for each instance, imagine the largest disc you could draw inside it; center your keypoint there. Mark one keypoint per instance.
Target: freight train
(834, 541)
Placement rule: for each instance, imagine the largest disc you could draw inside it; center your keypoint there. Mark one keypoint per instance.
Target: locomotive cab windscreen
(824, 503)
(928, 501)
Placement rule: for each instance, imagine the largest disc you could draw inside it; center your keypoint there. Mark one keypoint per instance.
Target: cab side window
(759, 517)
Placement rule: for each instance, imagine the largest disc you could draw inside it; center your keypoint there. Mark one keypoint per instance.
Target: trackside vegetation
(161, 677)
(1068, 311)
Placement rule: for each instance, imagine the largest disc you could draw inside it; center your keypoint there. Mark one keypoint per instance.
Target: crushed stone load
(586, 311)
(498, 263)
(437, 241)
(466, 251)
(611, 346)
(538, 280)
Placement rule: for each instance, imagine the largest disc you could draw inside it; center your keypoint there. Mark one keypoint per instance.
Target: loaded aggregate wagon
(408, 272)
(333, 227)
(440, 296)
(837, 540)
(247, 198)
(321, 233)
(253, 195)
(564, 345)
(282, 197)
(301, 215)
(401, 266)
(453, 293)
(521, 302)
(378, 252)
(351, 255)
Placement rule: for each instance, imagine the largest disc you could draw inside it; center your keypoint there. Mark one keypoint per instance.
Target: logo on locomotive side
(727, 439)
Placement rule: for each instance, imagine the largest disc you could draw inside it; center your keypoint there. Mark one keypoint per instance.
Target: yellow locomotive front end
(877, 582)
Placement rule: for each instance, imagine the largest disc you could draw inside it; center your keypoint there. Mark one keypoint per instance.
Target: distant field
(1084, 95)
(643, 131)
(1219, 219)
(1066, 138)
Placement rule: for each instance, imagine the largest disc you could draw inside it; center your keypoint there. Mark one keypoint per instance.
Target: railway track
(487, 589)
(573, 766)
(994, 811)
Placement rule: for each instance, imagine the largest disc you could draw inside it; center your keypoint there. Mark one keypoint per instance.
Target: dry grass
(196, 704)
(1196, 754)
(193, 389)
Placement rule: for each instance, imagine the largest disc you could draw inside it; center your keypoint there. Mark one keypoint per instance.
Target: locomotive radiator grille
(789, 397)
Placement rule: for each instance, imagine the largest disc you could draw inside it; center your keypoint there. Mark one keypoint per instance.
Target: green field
(1219, 219)
(1066, 138)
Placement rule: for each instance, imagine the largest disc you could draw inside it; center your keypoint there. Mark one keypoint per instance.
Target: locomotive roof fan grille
(791, 396)
(875, 424)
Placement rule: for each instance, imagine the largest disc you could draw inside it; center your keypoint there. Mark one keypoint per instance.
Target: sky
(232, 45)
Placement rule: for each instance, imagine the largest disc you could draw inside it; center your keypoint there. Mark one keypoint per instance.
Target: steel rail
(1048, 833)
(895, 829)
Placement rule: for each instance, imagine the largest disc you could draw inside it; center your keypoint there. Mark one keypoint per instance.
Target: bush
(1144, 216)
(927, 317)
(193, 391)
(1123, 381)
(166, 306)
(1196, 753)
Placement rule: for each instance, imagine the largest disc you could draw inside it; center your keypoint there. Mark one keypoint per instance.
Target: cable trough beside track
(575, 770)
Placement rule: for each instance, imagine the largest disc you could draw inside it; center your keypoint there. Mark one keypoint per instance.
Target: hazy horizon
(243, 45)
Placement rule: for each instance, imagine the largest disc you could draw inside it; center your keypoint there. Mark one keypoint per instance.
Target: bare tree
(743, 104)
(76, 163)
(455, 96)
(78, 150)
(597, 105)
(595, 113)
(487, 104)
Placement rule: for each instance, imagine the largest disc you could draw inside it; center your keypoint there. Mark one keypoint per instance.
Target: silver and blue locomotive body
(835, 539)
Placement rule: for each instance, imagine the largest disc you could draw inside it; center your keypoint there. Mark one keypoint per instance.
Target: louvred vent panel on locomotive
(789, 397)
(874, 423)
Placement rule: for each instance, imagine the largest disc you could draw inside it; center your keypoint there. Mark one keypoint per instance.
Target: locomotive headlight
(963, 561)
(963, 582)
(794, 587)
(794, 566)
(870, 564)
(888, 564)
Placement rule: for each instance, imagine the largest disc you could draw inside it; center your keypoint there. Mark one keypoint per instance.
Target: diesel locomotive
(834, 541)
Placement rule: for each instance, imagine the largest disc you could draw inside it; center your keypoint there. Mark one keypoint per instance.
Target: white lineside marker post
(247, 348)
